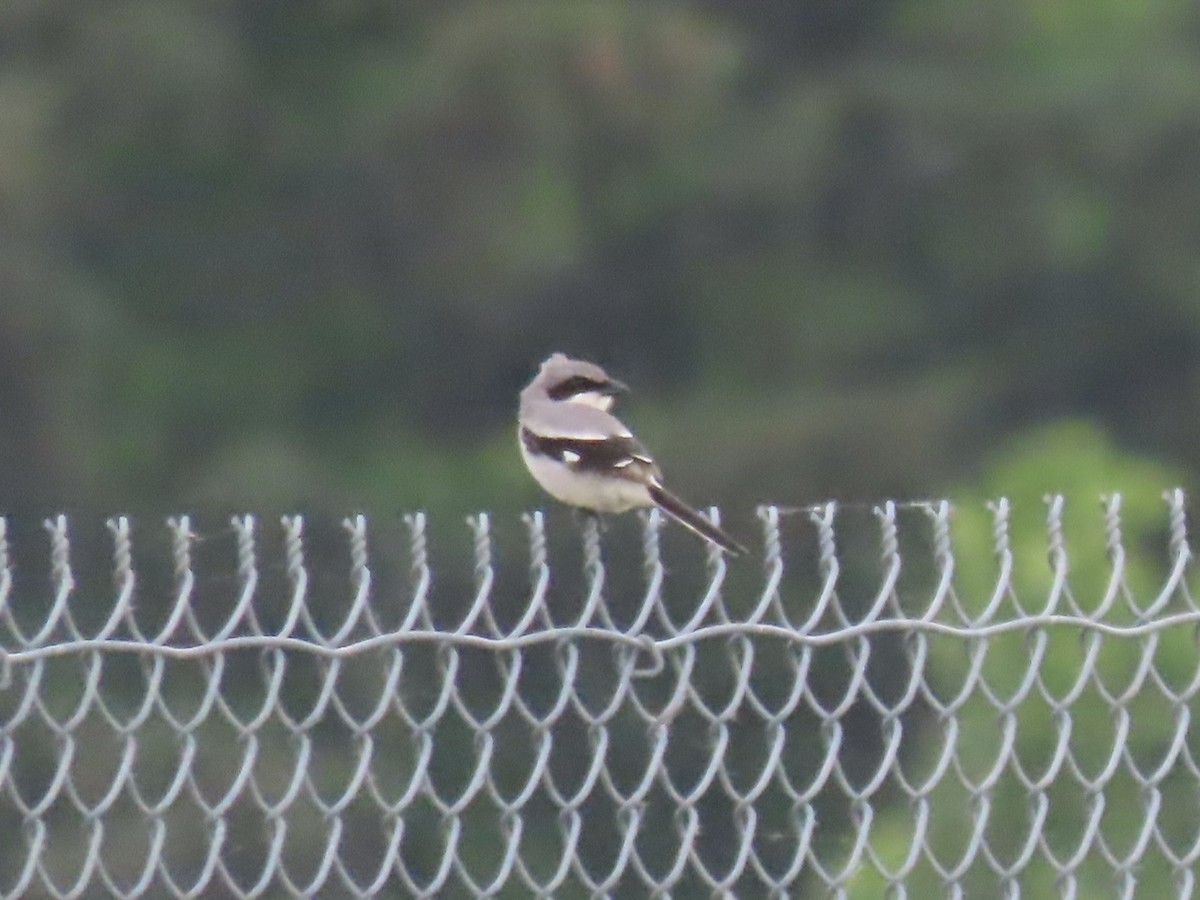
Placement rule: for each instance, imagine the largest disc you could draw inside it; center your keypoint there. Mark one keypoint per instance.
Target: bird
(585, 457)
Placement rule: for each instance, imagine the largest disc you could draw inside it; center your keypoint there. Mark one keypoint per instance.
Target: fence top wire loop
(298, 705)
(479, 628)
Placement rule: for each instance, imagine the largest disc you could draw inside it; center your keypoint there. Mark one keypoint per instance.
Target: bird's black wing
(616, 454)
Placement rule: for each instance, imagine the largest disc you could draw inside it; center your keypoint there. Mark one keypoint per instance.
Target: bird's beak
(613, 387)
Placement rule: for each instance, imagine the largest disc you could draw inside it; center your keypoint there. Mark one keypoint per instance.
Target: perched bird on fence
(585, 457)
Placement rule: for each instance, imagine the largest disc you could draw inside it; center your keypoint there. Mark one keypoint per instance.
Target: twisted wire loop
(910, 700)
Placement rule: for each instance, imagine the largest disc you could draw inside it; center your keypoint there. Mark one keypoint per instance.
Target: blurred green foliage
(302, 254)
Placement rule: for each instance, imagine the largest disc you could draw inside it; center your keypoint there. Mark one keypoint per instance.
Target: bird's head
(563, 379)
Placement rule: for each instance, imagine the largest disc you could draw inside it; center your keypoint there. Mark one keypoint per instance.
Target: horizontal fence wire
(905, 700)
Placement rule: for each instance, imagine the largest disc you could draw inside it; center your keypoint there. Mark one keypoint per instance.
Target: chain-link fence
(905, 699)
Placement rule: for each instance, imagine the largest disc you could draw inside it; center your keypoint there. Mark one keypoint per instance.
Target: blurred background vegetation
(302, 254)
(291, 254)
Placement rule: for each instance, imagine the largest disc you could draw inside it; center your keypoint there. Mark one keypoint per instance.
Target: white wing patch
(571, 457)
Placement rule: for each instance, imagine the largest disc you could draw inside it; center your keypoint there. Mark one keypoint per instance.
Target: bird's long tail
(690, 518)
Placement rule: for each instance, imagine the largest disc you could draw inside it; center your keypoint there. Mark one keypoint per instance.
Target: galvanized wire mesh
(888, 706)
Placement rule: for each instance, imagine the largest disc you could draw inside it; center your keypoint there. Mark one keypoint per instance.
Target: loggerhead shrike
(585, 457)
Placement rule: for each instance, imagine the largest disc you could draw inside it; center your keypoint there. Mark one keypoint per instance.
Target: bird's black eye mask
(581, 384)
